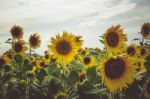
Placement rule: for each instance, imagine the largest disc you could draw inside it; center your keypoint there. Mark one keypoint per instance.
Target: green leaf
(73, 77)
(91, 74)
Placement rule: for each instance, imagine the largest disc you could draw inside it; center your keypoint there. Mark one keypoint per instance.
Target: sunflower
(144, 52)
(79, 40)
(88, 61)
(32, 59)
(117, 73)
(61, 95)
(47, 57)
(140, 65)
(132, 50)
(16, 32)
(82, 76)
(2, 61)
(85, 51)
(19, 47)
(64, 47)
(147, 89)
(145, 30)
(35, 41)
(41, 63)
(114, 39)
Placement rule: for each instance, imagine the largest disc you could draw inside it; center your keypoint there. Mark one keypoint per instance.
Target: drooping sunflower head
(147, 89)
(79, 40)
(82, 76)
(88, 61)
(35, 41)
(2, 62)
(61, 95)
(145, 30)
(16, 32)
(85, 51)
(140, 65)
(117, 71)
(132, 50)
(19, 47)
(64, 47)
(114, 39)
(144, 52)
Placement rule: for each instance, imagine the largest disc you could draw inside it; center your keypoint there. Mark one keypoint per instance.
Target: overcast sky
(88, 18)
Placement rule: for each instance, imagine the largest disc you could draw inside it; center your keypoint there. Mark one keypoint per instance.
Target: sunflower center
(18, 47)
(87, 60)
(2, 62)
(112, 39)
(130, 51)
(148, 87)
(114, 68)
(143, 51)
(33, 41)
(146, 30)
(42, 64)
(46, 56)
(15, 32)
(63, 47)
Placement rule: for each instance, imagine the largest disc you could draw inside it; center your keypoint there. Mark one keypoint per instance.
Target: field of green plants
(67, 70)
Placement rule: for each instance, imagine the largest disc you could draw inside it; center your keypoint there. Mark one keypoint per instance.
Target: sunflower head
(16, 32)
(117, 71)
(64, 47)
(140, 65)
(32, 59)
(114, 39)
(85, 51)
(88, 61)
(144, 52)
(145, 30)
(131, 50)
(34, 41)
(79, 40)
(19, 47)
(61, 95)
(82, 76)
(147, 89)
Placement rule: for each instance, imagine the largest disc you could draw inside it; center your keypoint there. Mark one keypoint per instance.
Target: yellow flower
(41, 63)
(147, 89)
(16, 32)
(34, 41)
(85, 51)
(61, 95)
(88, 61)
(145, 30)
(117, 73)
(82, 76)
(64, 48)
(19, 47)
(32, 59)
(140, 65)
(132, 50)
(79, 40)
(144, 52)
(114, 39)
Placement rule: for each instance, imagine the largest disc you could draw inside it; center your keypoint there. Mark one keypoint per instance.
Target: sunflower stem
(30, 50)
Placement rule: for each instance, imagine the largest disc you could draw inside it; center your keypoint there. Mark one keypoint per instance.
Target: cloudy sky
(89, 18)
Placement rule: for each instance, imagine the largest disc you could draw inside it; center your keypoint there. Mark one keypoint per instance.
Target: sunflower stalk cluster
(67, 70)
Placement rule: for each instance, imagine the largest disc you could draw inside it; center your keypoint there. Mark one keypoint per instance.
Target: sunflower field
(67, 70)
